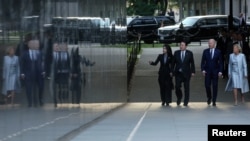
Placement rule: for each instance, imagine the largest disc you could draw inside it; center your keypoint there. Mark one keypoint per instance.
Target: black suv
(195, 28)
(165, 20)
(147, 27)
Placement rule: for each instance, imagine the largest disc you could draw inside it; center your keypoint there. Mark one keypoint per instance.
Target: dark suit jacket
(187, 66)
(222, 45)
(165, 68)
(28, 70)
(246, 50)
(212, 65)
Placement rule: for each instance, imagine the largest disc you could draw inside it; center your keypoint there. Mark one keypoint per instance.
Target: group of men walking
(55, 63)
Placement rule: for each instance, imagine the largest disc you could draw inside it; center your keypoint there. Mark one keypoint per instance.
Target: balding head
(211, 43)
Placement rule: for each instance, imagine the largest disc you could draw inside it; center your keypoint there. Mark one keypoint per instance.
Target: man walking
(211, 67)
(183, 67)
(32, 71)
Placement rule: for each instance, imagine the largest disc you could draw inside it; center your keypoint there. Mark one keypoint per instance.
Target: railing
(134, 49)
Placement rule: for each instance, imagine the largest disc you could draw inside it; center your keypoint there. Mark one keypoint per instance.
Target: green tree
(141, 7)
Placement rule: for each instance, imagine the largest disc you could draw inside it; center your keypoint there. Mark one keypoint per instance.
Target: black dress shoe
(167, 104)
(178, 102)
(214, 104)
(163, 103)
(209, 101)
(41, 103)
(185, 104)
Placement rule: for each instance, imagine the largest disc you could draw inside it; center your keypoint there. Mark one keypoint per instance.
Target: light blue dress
(236, 80)
(237, 70)
(11, 73)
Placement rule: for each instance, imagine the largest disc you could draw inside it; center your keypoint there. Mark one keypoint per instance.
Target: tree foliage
(141, 7)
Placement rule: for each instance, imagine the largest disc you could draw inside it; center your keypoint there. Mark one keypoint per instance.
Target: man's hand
(150, 62)
(43, 74)
(192, 74)
(171, 74)
(204, 73)
(22, 76)
(220, 74)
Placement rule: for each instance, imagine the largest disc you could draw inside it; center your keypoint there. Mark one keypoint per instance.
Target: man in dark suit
(165, 75)
(183, 67)
(64, 72)
(222, 44)
(55, 81)
(211, 67)
(32, 71)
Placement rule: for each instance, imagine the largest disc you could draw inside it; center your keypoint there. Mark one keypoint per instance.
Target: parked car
(147, 27)
(195, 28)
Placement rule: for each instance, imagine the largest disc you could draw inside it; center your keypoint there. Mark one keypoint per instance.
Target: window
(221, 21)
(211, 21)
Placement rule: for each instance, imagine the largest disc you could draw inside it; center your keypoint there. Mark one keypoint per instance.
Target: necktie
(34, 55)
(182, 56)
(211, 53)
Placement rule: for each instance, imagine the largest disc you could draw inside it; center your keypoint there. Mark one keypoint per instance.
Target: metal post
(245, 8)
(230, 17)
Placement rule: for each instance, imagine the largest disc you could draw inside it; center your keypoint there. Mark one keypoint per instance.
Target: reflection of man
(32, 72)
(211, 67)
(242, 20)
(54, 72)
(171, 13)
(183, 67)
(63, 72)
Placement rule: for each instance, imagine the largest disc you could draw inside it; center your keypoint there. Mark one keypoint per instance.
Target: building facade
(210, 7)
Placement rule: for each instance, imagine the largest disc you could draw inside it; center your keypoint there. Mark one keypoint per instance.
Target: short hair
(185, 42)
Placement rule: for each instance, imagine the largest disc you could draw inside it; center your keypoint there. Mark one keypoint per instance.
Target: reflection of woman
(237, 72)
(11, 73)
(76, 74)
(165, 77)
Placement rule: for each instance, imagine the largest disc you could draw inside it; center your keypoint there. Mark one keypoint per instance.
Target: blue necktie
(211, 53)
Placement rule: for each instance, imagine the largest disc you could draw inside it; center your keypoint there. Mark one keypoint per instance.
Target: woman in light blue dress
(11, 73)
(237, 72)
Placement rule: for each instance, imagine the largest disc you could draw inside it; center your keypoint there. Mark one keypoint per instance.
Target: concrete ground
(152, 122)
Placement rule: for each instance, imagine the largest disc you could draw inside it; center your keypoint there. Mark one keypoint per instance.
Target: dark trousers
(179, 79)
(211, 80)
(32, 86)
(76, 90)
(165, 88)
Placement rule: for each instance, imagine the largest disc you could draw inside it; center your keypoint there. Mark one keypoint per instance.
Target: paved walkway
(152, 122)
